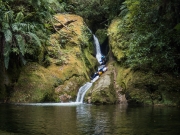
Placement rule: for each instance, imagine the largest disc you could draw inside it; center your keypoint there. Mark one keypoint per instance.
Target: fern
(8, 36)
(5, 25)
(15, 50)
(21, 43)
(8, 16)
(6, 61)
(19, 27)
(36, 39)
(7, 50)
(19, 17)
(15, 27)
(23, 60)
(124, 10)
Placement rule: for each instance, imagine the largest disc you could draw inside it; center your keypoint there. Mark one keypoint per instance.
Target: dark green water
(88, 120)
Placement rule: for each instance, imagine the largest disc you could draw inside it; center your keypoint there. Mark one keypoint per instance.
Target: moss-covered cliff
(64, 65)
(142, 85)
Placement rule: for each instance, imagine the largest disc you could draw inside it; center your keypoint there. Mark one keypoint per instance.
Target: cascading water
(98, 49)
(82, 92)
(85, 87)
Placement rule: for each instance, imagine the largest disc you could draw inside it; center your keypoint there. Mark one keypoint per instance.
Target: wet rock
(102, 91)
(65, 98)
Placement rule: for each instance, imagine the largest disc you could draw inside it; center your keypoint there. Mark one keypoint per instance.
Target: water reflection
(88, 120)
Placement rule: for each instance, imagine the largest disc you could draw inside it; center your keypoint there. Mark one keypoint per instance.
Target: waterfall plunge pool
(87, 119)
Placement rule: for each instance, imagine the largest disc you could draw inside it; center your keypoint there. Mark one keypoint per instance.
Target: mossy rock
(144, 87)
(35, 84)
(70, 87)
(149, 88)
(118, 46)
(66, 65)
(103, 91)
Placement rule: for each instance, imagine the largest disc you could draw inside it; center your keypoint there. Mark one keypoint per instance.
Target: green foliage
(7, 51)
(94, 10)
(23, 27)
(151, 30)
(20, 43)
(35, 38)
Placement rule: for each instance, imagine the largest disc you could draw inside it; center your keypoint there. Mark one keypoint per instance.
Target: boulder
(103, 90)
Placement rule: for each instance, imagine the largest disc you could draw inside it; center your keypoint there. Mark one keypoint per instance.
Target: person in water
(103, 60)
(100, 72)
(104, 69)
(95, 74)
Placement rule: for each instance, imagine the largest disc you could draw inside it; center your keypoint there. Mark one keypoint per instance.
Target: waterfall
(82, 92)
(98, 49)
(83, 89)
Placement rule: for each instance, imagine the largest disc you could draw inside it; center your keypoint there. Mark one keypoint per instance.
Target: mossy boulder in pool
(103, 90)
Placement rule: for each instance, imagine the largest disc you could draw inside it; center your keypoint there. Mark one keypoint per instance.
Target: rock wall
(106, 90)
(68, 62)
(144, 87)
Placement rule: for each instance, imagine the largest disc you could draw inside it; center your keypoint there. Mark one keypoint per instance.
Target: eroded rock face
(65, 68)
(144, 87)
(103, 90)
(149, 88)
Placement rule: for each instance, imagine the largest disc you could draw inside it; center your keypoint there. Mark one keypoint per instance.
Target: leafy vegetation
(24, 26)
(150, 30)
(96, 11)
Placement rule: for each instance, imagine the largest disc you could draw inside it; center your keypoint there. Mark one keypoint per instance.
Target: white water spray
(98, 49)
(82, 92)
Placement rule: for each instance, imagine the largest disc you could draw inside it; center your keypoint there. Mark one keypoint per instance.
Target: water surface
(83, 119)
